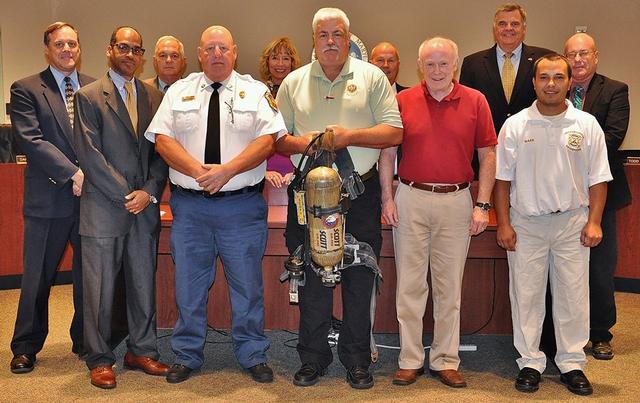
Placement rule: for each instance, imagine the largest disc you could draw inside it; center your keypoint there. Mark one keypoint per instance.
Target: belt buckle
(439, 188)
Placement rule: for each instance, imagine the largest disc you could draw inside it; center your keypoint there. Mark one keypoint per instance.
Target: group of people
(112, 142)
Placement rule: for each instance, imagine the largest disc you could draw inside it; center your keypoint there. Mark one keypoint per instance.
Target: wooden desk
(485, 302)
(485, 286)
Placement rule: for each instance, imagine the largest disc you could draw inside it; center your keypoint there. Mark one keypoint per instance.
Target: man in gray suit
(168, 61)
(41, 115)
(119, 213)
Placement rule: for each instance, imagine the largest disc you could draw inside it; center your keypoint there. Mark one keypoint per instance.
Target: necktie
(212, 145)
(577, 100)
(132, 107)
(68, 94)
(508, 76)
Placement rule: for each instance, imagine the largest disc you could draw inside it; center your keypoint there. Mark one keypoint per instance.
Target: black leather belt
(436, 188)
(249, 189)
(368, 174)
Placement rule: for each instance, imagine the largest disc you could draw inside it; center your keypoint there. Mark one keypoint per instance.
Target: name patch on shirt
(188, 98)
(574, 141)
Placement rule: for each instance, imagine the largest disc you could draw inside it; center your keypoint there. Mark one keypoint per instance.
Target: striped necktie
(508, 76)
(578, 97)
(68, 95)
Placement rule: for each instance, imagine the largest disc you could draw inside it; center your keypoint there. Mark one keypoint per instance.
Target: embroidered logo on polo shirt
(528, 141)
(574, 141)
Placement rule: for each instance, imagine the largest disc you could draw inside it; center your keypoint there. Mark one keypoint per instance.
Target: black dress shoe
(307, 375)
(178, 373)
(22, 363)
(359, 377)
(601, 350)
(528, 380)
(261, 373)
(577, 382)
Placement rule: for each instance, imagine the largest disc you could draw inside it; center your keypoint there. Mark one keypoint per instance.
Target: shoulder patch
(271, 100)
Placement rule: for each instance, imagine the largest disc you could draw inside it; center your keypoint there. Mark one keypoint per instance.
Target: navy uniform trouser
(234, 228)
(316, 300)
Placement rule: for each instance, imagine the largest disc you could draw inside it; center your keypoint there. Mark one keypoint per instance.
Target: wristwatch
(484, 206)
(153, 199)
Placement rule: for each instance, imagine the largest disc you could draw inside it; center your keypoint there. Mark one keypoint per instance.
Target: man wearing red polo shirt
(443, 123)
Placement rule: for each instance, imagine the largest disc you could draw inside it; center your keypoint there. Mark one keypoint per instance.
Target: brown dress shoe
(450, 377)
(404, 377)
(146, 364)
(103, 377)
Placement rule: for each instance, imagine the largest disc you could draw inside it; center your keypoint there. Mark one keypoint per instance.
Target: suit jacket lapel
(114, 100)
(593, 92)
(525, 66)
(493, 72)
(51, 93)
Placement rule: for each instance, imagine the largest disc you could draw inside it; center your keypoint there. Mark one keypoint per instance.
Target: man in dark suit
(508, 90)
(42, 114)
(119, 213)
(168, 61)
(385, 56)
(608, 101)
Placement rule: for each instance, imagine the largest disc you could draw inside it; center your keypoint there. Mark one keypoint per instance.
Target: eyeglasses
(124, 49)
(582, 53)
(70, 44)
(211, 49)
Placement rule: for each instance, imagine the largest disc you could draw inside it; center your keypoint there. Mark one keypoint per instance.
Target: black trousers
(316, 300)
(602, 267)
(45, 240)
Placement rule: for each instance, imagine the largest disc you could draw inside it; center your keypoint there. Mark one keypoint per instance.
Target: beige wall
(254, 23)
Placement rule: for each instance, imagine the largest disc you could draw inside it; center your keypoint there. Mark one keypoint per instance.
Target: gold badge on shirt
(351, 88)
(271, 100)
(241, 94)
(574, 141)
(188, 98)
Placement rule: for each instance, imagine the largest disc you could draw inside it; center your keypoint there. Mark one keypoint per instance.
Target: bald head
(385, 56)
(582, 53)
(217, 53)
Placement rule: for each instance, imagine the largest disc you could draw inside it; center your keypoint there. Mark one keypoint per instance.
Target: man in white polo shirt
(552, 170)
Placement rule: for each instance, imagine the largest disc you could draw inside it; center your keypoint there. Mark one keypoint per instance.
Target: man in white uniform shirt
(552, 170)
(215, 129)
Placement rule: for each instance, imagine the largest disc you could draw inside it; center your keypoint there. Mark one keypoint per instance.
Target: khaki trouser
(548, 247)
(433, 232)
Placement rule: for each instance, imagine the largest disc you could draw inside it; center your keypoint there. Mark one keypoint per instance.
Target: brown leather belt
(436, 188)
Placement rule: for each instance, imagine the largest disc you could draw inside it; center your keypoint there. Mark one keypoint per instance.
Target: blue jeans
(234, 228)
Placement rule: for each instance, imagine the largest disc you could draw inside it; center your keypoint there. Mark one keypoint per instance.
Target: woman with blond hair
(278, 59)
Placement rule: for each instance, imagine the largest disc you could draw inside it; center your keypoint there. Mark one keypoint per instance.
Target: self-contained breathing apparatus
(322, 196)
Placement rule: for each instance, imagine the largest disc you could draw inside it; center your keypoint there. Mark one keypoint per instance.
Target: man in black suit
(608, 101)
(385, 56)
(508, 90)
(42, 115)
(119, 212)
(168, 62)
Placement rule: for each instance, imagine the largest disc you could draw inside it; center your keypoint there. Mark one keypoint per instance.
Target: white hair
(173, 38)
(439, 40)
(329, 13)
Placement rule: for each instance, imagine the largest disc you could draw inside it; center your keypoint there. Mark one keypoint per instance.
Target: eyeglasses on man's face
(582, 53)
(124, 49)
